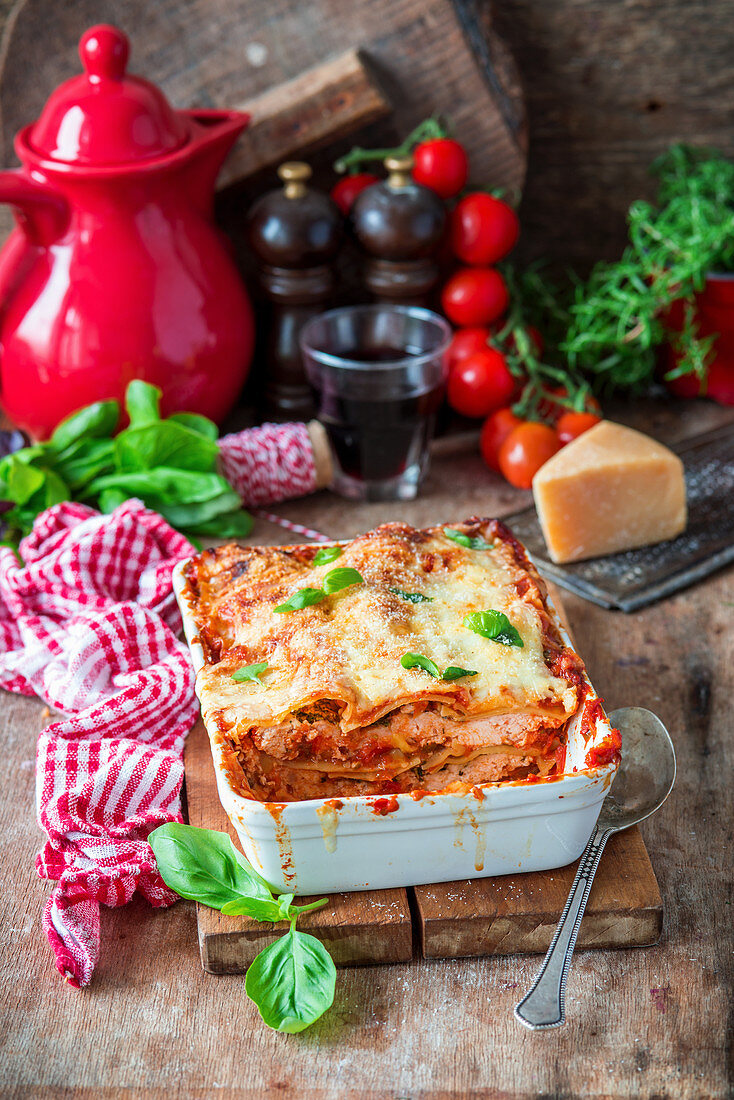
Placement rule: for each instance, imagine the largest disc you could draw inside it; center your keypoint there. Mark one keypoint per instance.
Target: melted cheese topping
(347, 649)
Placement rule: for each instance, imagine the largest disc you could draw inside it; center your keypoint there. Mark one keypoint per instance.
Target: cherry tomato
(442, 165)
(495, 431)
(525, 450)
(480, 383)
(346, 190)
(474, 296)
(572, 424)
(483, 229)
(466, 341)
(535, 338)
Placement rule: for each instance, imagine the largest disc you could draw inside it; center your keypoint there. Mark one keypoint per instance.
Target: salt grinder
(399, 224)
(295, 231)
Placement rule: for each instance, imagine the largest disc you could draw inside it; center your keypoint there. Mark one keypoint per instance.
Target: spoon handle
(543, 1005)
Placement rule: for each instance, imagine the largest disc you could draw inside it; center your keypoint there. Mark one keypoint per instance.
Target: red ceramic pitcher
(116, 269)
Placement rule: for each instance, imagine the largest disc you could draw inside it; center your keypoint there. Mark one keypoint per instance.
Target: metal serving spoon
(643, 781)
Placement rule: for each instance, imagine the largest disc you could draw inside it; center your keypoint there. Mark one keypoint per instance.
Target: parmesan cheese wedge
(611, 489)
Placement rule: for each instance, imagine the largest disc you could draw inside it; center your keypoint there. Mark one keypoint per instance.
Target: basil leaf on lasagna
(471, 543)
(327, 554)
(304, 597)
(453, 672)
(411, 597)
(417, 660)
(494, 625)
(250, 672)
(337, 579)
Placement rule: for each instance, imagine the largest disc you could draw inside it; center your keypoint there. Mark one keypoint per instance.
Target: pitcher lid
(104, 116)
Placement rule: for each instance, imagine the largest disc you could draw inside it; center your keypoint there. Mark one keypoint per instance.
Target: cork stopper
(399, 171)
(294, 174)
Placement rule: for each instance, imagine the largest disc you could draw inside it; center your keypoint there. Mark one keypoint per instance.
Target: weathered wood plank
(517, 914)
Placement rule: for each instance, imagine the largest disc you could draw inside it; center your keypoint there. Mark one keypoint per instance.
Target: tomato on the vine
(483, 229)
(551, 410)
(442, 165)
(475, 296)
(465, 342)
(525, 450)
(573, 424)
(495, 431)
(346, 190)
(480, 383)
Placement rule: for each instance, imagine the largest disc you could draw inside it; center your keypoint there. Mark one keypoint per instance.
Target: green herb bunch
(170, 464)
(291, 981)
(618, 318)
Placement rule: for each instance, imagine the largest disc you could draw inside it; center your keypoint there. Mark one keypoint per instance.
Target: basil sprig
(334, 581)
(411, 597)
(417, 660)
(327, 554)
(169, 463)
(250, 672)
(494, 625)
(291, 981)
(476, 543)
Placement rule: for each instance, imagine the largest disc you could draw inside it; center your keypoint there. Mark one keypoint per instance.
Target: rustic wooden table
(641, 1022)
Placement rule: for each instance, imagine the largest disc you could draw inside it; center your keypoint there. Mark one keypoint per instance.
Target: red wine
(374, 439)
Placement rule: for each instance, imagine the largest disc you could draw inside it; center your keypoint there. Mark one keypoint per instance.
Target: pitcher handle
(41, 212)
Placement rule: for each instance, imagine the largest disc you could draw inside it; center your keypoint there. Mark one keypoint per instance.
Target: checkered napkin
(90, 624)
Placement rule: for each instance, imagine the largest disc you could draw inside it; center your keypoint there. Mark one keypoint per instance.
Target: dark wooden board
(517, 914)
(365, 927)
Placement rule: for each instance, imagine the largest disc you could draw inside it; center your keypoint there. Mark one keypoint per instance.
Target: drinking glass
(379, 373)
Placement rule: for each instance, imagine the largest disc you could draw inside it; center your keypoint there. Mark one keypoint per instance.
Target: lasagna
(403, 661)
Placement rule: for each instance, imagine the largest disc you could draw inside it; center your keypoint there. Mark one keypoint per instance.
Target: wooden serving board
(513, 914)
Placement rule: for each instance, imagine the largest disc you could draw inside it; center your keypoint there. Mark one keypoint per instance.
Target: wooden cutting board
(513, 914)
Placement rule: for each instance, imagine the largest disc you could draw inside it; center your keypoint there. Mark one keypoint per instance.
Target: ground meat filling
(419, 746)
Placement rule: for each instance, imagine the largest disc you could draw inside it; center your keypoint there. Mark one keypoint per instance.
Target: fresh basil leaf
(162, 443)
(142, 402)
(92, 422)
(109, 499)
(169, 486)
(22, 480)
(204, 865)
(417, 660)
(250, 672)
(292, 982)
(85, 460)
(257, 908)
(411, 597)
(494, 625)
(477, 543)
(202, 425)
(327, 554)
(338, 579)
(304, 597)
(453, 672)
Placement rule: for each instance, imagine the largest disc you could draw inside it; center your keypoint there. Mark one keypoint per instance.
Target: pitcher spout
(215, 132)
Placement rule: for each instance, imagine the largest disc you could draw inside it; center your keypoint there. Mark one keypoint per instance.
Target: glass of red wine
(378, 373)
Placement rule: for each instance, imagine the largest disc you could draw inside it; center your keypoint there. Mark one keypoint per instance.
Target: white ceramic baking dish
(324, 845)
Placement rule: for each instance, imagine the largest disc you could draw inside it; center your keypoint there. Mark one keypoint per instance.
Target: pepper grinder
(399, 224)
(295, 231)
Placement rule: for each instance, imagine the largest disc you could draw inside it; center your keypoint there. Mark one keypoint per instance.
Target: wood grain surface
(372, 926)
(641, 1022)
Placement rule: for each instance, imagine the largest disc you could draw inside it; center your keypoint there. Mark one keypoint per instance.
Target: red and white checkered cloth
(90, 623)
